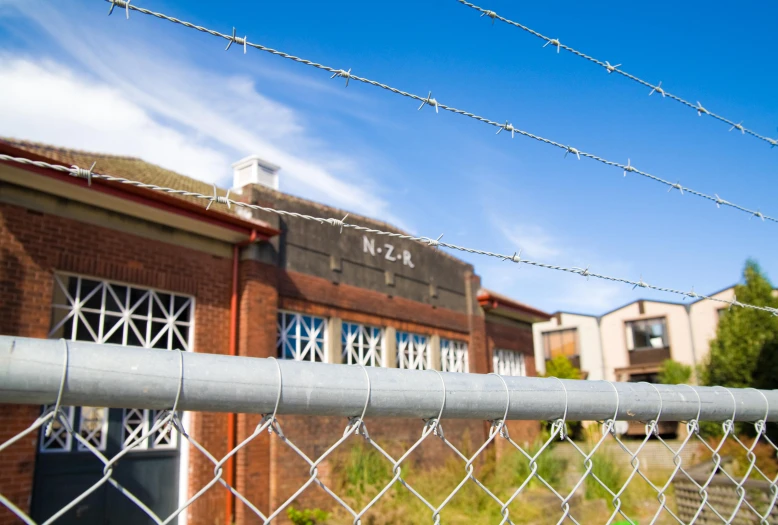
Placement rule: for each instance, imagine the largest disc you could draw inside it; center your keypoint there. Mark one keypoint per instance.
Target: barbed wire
(432, 102)
(90, 175)
(610, 68)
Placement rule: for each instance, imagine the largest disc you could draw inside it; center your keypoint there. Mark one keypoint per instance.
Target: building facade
(631, 342)
(105, 262)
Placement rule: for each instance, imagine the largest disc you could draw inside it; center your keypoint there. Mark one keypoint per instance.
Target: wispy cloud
(533, 240)
(546, 288)
(135, 100)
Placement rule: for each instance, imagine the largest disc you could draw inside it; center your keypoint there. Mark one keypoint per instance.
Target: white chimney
(254, 170)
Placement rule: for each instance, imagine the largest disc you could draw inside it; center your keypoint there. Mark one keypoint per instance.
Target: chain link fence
(719, 466)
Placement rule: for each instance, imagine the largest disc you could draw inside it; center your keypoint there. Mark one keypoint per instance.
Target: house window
(362, 345)
(93, 427)
(301, 337)
(137, 422)
(59, 439)
(647, 334)
(106, 312)
(509, 363)
(453, 356)
(561, 343)
(412, 351)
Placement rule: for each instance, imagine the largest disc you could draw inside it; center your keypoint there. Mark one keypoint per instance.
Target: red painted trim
(232, 441)
(145, 197)
(488, 301)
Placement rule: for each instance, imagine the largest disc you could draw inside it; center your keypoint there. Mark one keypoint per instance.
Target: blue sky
(70, 75)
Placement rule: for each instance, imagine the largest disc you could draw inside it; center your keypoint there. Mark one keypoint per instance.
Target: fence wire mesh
(564, 473)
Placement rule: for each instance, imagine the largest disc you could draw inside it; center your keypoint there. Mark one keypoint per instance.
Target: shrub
(307, 516)
(608, 473)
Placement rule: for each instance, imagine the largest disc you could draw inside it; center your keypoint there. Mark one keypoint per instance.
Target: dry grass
(364, 473)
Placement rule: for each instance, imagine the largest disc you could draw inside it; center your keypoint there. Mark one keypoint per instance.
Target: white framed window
(301, 337)
(108, 312)
(453, 356)
(362, 345)
(93, 427)
(413, 351)
(137, 422)
(509, 363)
(59, 439)
(99, 311)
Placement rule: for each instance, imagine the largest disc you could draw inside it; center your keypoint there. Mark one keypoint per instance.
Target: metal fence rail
(61, 373)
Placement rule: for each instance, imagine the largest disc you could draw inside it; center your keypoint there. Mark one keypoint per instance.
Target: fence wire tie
(61, 391)
(738, 126)
(610, 67)
(554, 42)
(507, 127)
(658, 89)
(437, 429)
(490, 14)
(238, 40)
(356, 423)
(342, 73)
(121, 3)
(429, 100)
(574, 151)
(82, 173)
(560, 424)
(628, 167)
(218, 198)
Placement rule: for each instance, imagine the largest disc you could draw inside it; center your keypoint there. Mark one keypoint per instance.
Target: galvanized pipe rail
(115, 376)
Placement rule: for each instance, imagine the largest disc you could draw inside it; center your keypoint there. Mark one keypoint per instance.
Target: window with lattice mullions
(453, 356)
(413, 351)
(362, 344)
(301, 337)
(99, 311)
(509, 363)
(107, 312)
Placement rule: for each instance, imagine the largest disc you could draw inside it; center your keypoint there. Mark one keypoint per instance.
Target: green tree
(674, 373)
(561, 367)
(746, 338)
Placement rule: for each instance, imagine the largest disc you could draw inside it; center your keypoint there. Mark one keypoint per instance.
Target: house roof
(141, 171)
(490, 300)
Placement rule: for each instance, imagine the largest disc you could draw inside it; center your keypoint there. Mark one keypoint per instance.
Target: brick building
(112, 263)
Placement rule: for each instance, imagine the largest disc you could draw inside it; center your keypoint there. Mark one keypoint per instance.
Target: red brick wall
(511, 337)
(32, 246)
(307, 288)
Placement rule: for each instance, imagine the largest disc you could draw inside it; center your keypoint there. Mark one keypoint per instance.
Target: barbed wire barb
(615, 69)
(421, 99)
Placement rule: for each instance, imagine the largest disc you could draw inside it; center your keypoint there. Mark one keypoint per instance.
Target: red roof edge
(490, 300)
(147, 197)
